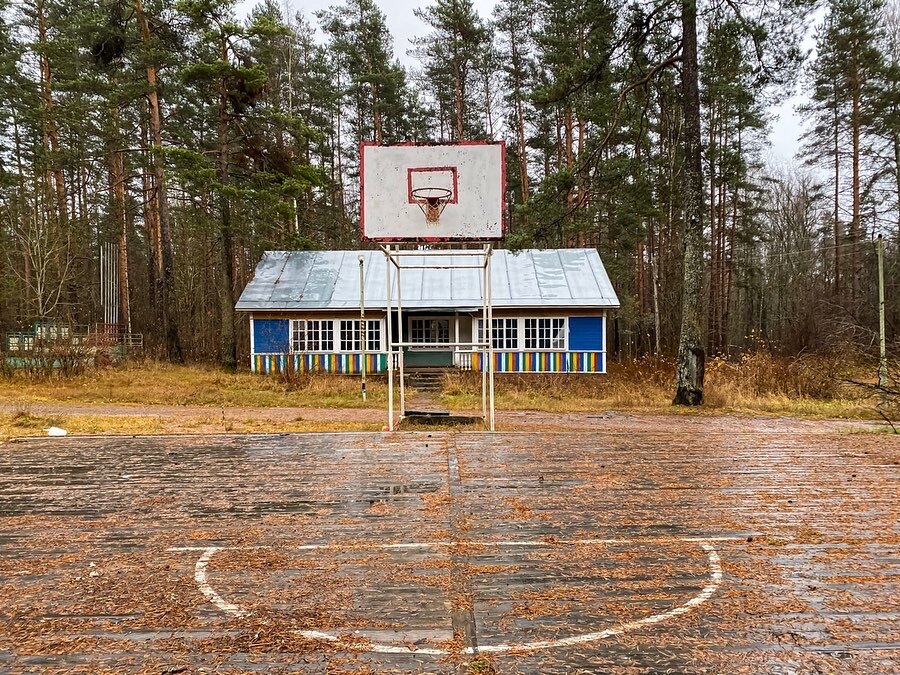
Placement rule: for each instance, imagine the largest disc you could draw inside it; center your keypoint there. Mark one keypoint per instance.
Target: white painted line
(371, 647)
(487, 542)
(715, 580)
(207, 590)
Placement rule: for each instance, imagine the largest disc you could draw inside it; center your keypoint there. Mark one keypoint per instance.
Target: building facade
(549, 312)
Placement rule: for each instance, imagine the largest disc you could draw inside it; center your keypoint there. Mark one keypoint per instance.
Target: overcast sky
(785, 129)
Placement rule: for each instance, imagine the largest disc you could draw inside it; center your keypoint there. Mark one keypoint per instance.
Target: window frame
(431, 344)
(372, 325)
(502, 334)
(560, 336)
(323, 327)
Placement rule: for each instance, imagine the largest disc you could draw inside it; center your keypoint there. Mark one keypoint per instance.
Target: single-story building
(549, 311)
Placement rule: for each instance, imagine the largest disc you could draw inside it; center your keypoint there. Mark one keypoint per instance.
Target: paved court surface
(674, 545)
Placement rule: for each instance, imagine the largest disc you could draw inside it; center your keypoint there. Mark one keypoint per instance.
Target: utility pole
(882, 355)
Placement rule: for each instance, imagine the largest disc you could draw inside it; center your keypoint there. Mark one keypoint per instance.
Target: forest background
(192, 137)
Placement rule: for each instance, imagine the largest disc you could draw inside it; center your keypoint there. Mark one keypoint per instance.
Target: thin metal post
(400, 350)
(484, 352)
(390, 339)
(882, 350)
(362, 326)
(490, 340)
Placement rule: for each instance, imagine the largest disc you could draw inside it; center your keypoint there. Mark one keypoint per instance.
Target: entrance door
(429, 330)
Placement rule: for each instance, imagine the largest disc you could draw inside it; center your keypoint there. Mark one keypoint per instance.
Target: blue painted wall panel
(271, 336)
(585, 333)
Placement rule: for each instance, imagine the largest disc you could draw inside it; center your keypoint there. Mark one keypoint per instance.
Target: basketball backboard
(432, 192)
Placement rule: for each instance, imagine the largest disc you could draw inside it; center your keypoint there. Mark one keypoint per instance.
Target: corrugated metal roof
(313, 280)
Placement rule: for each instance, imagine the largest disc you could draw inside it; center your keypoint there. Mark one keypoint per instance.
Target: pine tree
(375, 103)
(844, 78)
(514, 22)
(731, 99)
(450, 56)
(884, 120)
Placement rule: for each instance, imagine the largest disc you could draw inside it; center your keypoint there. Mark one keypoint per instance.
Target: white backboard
(475, 174)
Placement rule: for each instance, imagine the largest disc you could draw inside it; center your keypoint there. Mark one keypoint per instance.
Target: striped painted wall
(349, 364)
(543, 362)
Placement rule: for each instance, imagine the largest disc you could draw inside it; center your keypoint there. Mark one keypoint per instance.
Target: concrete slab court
(669, 547)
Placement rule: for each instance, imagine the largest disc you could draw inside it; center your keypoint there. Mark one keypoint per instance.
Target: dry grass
(755, 383)
(24, 423)
(156, 383)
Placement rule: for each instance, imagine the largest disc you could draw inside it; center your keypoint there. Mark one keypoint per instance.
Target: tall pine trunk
(856, 132)
(116, 162)
(51, 133)
(837, 202)
(227, 342)
(165, 284)
(691, 362)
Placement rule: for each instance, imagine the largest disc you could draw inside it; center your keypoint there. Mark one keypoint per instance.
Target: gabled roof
(329, 280)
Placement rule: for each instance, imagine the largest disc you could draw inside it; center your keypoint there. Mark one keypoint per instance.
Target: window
(373, 336)
(350, 337)
(505, 333)
(312, 335)
(546, 333)
(430, 330)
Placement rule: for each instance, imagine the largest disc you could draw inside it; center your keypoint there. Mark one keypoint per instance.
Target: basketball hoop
(432, 201)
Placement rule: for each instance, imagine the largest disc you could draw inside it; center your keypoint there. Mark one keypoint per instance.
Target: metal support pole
(484, 351)
(882, 350)
(400, 349)
(390, 340)
(490, 340)
(362, 326)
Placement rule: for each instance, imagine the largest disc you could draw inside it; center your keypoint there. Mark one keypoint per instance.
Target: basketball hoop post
(483, 346)
(390, 340)
(400, 350)
(363, 336)
(490, 332)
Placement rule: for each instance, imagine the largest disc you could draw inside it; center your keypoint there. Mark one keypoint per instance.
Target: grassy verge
(757, 383)
(22, 424)
(154, 383)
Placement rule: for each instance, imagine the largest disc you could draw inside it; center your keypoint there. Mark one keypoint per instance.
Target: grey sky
(785, 129)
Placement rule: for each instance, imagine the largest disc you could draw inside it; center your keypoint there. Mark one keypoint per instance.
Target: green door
(429, 330)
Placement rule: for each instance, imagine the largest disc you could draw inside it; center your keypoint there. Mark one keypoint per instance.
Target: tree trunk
(855, 221)
(837, 204)
(51, 134)
(711, 158)
(487, 104)
(118, 211)
(691, 362)
(227, 343)
(519, 107)
(151, 227)
(166, 284)
(656, 323)
(896, 139)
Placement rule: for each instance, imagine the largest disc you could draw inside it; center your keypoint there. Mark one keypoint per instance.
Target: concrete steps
(431, 380)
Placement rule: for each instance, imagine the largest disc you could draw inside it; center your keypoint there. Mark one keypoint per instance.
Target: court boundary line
(715, 579)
